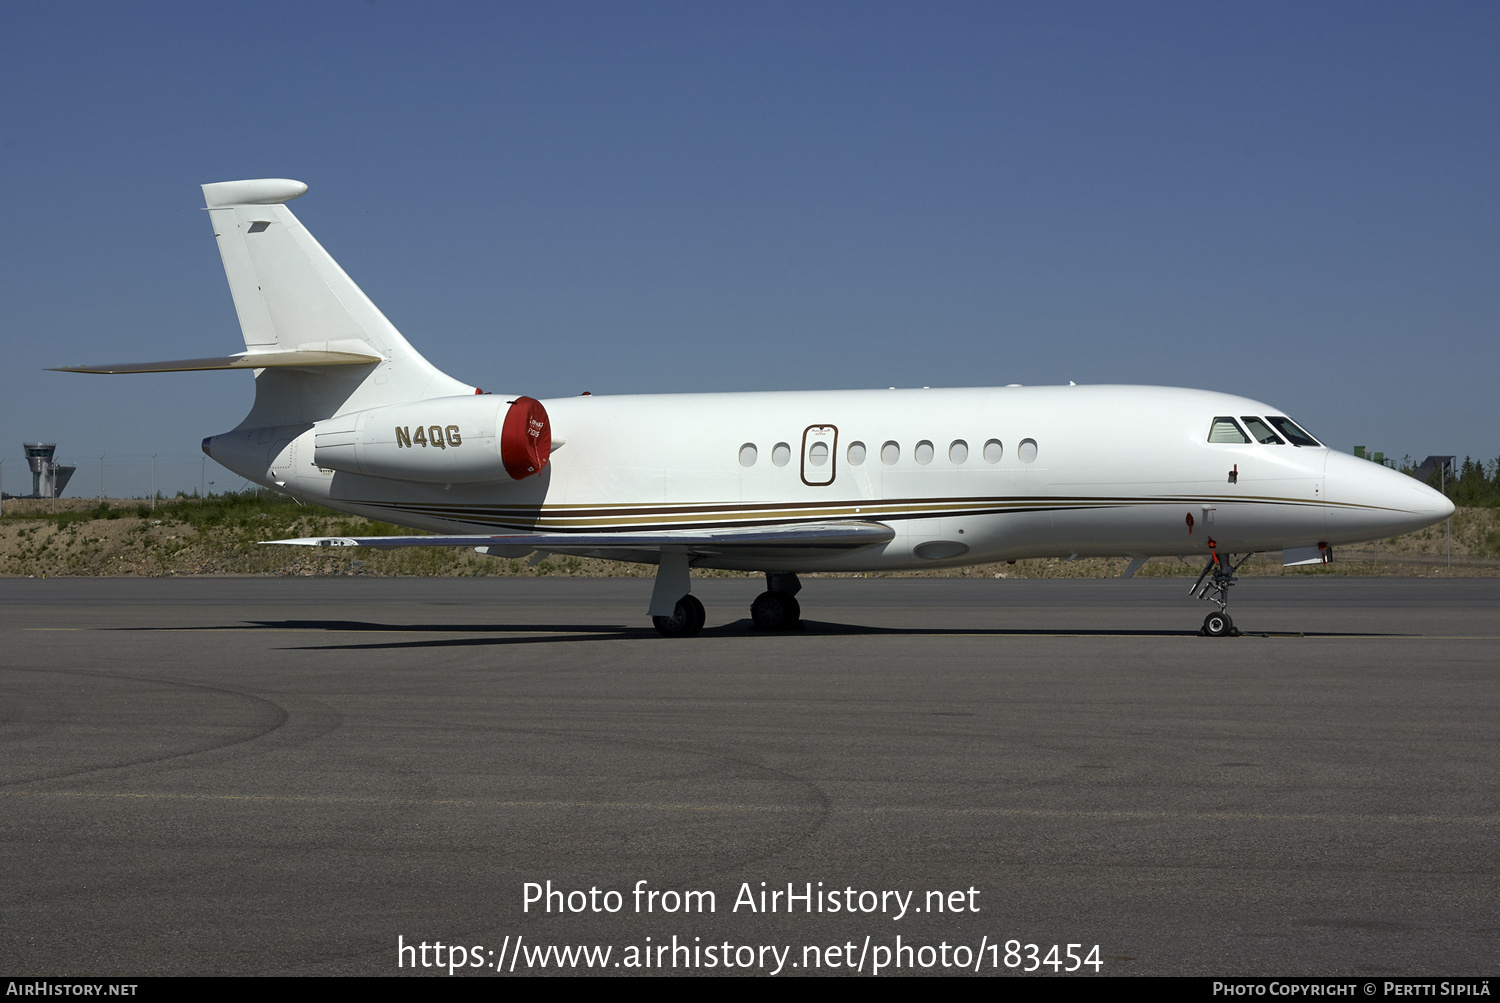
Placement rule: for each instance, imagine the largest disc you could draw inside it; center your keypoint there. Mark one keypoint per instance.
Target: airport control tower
(47, 478)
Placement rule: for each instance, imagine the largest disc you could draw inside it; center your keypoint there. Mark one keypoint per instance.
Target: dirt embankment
(128, 537)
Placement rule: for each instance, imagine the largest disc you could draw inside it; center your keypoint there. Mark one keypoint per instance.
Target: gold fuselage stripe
(585, 518)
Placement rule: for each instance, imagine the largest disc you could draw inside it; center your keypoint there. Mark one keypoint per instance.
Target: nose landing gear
(1216, 590)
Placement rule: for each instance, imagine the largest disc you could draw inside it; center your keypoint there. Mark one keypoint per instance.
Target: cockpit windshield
(1289, 428)
(1261, 431)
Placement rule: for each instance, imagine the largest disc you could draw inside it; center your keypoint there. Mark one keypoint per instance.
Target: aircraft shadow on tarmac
(543, 633)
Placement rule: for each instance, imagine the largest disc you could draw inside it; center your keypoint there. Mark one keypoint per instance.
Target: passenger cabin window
(923, 452)
(1260, 431)
(1226, 430)
(958, 451)
(1289, 428)
(993, 451)
(781, 454)
(856, 453)
(747, 455)
(890, 453)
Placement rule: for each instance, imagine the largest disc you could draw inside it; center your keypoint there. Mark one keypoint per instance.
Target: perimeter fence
(129, 475)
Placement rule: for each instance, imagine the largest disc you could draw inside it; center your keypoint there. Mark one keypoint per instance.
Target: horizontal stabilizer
(318, 346)
(240, 360)
(832, 536)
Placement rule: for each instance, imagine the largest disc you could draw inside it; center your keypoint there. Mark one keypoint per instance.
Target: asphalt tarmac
(303, 776)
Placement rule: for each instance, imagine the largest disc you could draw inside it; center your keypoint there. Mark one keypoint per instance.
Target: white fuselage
(1085, 470)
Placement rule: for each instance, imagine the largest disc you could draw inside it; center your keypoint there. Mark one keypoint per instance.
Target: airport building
(48, 477)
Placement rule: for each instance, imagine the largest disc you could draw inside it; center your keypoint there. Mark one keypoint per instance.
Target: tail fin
(292, 296)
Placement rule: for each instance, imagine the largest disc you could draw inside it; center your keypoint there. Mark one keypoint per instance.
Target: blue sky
(1297, 202)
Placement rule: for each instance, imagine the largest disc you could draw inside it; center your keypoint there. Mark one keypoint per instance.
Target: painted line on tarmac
(998, 632)
(675, 806)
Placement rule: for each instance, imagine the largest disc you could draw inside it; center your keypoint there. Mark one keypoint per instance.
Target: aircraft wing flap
(816, 536)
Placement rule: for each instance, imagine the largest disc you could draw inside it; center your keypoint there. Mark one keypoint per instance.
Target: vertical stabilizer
(291, 295)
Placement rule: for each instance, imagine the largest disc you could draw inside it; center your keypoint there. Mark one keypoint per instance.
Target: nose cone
(1434, 505)
(1367, 501)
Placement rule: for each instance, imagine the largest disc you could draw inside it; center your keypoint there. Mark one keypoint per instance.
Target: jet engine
(442, 440)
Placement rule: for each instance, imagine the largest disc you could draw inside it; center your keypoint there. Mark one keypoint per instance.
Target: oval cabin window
(1027, 450)
(856, 453)
(781, 454)
(993, 451)
(890, 453)
(923, 452)
(747, 455)
(958, 452)
(818, 454)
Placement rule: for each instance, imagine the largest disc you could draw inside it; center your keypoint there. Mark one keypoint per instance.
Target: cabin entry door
(819, 455)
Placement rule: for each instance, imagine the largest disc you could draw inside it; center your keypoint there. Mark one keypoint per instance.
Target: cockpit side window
(1289, 428)
(1226, 430)
(1260, 431)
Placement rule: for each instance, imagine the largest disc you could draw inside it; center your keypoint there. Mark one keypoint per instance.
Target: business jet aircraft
(348, 415)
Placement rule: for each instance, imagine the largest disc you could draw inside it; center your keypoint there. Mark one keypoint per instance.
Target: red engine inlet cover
(525, 438)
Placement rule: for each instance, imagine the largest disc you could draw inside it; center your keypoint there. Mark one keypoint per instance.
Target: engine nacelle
(443, 440)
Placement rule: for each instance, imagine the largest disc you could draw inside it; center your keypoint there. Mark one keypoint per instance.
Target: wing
(747, 542)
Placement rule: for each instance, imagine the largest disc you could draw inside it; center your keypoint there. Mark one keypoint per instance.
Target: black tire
(793, 613)
(776, 611)
(699, 613)
(1217, 625)
(685, 621)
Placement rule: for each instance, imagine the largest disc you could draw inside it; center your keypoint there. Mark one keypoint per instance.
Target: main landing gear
(774, 609)
(777, 607)
(685, 621)
(674, 610)
(1216, 590)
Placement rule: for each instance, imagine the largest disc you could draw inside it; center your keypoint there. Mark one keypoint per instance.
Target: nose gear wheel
(1218, 625)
